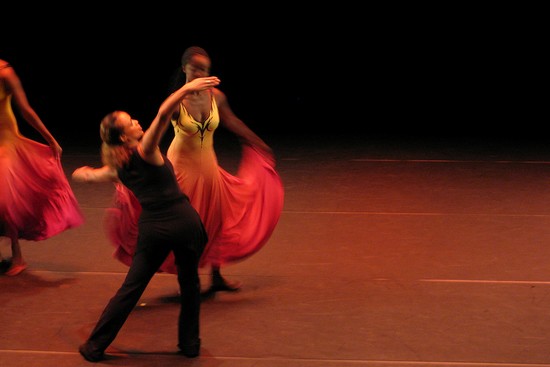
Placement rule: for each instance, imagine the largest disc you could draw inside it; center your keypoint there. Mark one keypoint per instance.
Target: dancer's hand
(204, 83)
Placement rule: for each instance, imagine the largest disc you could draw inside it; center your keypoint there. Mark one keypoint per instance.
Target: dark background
(338, 70)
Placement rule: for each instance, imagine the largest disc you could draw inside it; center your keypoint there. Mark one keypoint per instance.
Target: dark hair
(109, 131)
(113, 151)
(192, 51)
(178, 77)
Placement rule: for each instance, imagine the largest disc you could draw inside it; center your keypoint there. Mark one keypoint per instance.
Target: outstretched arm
(90, 174)
(153, 135)
(28, 113)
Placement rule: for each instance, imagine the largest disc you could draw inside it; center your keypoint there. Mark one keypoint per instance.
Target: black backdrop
(414, 71)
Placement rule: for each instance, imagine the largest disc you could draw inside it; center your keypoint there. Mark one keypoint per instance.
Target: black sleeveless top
(155, 187)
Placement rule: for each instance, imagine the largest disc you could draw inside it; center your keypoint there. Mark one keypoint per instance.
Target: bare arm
(90, 174)
(153, 135)
(28, 113)
(236, 125)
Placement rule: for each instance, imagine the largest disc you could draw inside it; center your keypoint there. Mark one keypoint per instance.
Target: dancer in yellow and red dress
(240, 212)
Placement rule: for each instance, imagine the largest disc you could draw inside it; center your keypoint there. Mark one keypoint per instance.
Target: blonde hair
(113, 151)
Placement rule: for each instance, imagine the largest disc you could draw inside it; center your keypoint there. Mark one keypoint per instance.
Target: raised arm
(153, 135)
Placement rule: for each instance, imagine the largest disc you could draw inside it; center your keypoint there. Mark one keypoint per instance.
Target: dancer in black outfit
(167, 222)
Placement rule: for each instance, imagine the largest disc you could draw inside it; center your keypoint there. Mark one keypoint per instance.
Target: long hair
(113, 151)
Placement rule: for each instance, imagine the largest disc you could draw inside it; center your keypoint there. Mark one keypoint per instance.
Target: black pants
(181, 231)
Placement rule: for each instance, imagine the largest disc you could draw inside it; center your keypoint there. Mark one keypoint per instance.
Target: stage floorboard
(389, 252)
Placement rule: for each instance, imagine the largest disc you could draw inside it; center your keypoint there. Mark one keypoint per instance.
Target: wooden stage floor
(389, 252)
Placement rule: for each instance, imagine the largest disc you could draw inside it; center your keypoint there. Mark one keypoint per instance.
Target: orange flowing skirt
(36, 200)
(240, 212)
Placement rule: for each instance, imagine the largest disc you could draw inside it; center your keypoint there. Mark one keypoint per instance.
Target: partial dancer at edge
(36, 200)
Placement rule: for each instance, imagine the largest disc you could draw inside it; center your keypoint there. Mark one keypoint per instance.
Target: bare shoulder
(5, 68)
(219, 96)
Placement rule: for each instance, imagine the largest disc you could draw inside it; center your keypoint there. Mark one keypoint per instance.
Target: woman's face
(197, 67)
(131, 128)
